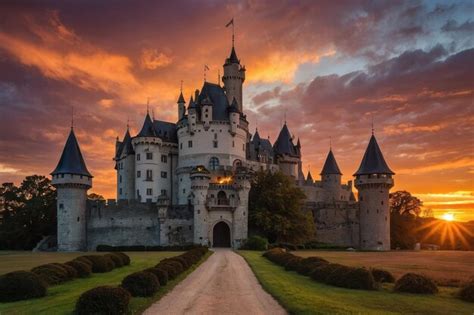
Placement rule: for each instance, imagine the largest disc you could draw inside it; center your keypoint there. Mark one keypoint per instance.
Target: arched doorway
(221, 235)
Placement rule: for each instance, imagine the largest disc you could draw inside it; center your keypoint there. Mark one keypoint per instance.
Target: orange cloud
(152, 60)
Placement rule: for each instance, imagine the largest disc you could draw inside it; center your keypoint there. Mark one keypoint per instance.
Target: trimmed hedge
(117, 260)
(100, 264)
(467, 292)
(84, 260)
(83, 270)
(160, 273)
(141, 283)
(51, 274)
(256, 243)
(143, 248)
(21, 285)
(103, 300)
(321, 270)
(381, 275)
(415, 283)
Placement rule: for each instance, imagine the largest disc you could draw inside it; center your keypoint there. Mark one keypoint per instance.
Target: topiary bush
(51, 274)
(100, 264)
(83, 270)
(293, 263)
(125, 258)
(21, 285)
(71, 272)
(160, 273)
(141, 283)
(466, 293)
(322, 272)
(103, 300)
(84, 260)
(176, 264)
(358, 278)
(256, 243)
(415, 283)
(307, 265)
(116, 259)
(381, 275)
(171, 270)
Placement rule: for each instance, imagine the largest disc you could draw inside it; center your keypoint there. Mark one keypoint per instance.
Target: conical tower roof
(71, 161)
(181, 98)
(126, 145)
(256, 138)
(309, 178)
(233, 56)
(373, 161)
(284, 144)
(147, 129)
(330, 166)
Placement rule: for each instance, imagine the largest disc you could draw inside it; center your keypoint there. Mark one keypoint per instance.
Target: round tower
(71, 180)
(331, 178)
(181, 106)
(373, 181)
(233, 78)
(200, 178)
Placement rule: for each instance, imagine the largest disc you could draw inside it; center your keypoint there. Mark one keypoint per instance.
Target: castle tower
(72, 180)
(181, 106)
(373, 181)
(125, 166)
(331, 178)
(233, 78)
(200, 178)
(287, 154)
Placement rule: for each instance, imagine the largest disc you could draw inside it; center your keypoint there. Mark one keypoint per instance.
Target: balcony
(222, 203)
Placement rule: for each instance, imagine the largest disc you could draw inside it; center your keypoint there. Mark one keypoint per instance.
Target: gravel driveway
(224, 284)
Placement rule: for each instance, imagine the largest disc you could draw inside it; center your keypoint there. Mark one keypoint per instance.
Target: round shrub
(415, 283)
(21, 285)
(125, 258)
(381, 275)
(293, 263)
(181, 260)
(256, 243)
(160, 273)
(307, 265)
(338, 275)
(141, 283)
(171, 270)
(84, 260)
(117, 260)
(358, 278)
(467, 292)
(71, 272)
(177, 265)
(51, 274)
(103, 300)
(322, 272)
(83, 270)
(100, 264)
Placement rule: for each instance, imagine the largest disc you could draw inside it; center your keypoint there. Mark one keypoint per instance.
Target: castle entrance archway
(221, 235)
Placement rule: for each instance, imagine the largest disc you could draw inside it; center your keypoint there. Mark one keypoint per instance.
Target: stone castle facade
(189, 181)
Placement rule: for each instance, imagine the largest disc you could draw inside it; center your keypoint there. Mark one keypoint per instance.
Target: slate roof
(220, 107)
(233, 57)
(126, 145)
(330, 166)
(309, 178)
(181, 98)
(166, 131)
(284, 143)
(147, 129)
(373, 161)
(71, 161)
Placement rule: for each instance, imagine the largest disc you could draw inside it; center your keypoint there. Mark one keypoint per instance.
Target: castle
(189, 181)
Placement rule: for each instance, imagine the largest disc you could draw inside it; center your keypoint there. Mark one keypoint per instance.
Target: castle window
(138, 194)
(149, 175)
(163, 192)
(215, 136)
(181, 145)
(120, 191)
(213, 163)
(215, 144)
(207, 115)
(233, 143)
(138, 157)
(190, 144)
(164, 175)
(61, 206)
(184, 190)
(139, 173)
(367, 210)
(190, 227)
(381, 202)
(120, 178)
(78, 219)
(377, 210)
(149, 191)
(149, 155)
(164, 159)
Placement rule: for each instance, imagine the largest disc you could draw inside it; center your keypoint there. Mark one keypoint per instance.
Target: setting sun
(448, 217)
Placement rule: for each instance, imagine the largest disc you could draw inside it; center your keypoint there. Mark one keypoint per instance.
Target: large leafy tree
(276, 209)
(28, 212)
(404, 212)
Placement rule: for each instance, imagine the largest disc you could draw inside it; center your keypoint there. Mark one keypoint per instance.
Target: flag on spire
(231, 22)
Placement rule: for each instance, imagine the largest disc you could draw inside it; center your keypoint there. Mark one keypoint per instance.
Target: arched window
(222, 198)
(213, 163)
(237, 163)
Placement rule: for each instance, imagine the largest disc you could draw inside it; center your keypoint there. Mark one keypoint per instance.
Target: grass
(301, 295)
(61, 299)
(449, 268)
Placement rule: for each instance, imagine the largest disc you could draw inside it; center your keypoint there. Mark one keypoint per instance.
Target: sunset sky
(330, 65)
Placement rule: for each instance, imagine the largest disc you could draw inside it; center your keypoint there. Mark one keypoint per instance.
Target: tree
(29, 212)
(94, 196)
(275, 209)
(404, 203)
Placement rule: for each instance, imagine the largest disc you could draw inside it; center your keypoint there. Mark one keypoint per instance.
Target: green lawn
(61, 299)
(301, 295)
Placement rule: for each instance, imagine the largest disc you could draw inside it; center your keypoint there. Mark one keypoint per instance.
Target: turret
(200, 178)
(233, 78)
(373, 181)
(309, 179)
(192, 115)
(71, 180)
(286, 153)
(125, 166)
(331, 178)
(234, 116)
(206, 112)
(181, 106)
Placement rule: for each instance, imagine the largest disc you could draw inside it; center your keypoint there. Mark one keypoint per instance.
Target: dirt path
(224, 284)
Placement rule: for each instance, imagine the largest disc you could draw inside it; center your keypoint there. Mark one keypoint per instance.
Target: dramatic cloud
(328, 68)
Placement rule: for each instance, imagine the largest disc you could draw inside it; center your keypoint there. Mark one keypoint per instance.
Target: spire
(284, 143)
(181, 98)
(256, 137)
(71, 161)
(233, 56)
(373, 161)
(330, 166)
(309, 177)
(147, 129)
(191, 103)
(126, 145)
